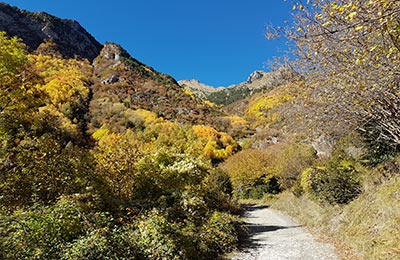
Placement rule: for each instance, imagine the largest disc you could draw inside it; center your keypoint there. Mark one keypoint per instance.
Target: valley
(104, 157)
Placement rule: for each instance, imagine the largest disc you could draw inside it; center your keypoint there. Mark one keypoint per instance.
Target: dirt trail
(275, 237)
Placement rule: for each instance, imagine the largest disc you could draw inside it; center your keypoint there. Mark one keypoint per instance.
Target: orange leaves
(218, 145)
(206, 132)
(298, 7)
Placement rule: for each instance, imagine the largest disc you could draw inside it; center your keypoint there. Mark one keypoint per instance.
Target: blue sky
(219, 42)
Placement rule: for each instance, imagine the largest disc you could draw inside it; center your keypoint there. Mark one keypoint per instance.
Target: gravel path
(276, 237)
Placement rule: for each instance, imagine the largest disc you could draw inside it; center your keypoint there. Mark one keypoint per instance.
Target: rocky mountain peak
(35, 28)
(257, 81)
(112, 51)
(256, 75)
(198, 88)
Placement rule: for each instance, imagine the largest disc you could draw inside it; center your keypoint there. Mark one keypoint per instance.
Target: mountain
(199, 89)
(119, 83)
(122, 84)
(256, 82)
(38, 28)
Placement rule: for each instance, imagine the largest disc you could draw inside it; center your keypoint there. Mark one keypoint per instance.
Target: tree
(349, 52)
(19, 99)
(217, 145)
(66, 82)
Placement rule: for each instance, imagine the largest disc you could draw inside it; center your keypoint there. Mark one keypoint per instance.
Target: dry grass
(367, 228)
(371, 224)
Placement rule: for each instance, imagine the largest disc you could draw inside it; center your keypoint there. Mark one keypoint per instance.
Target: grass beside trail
(366, 228)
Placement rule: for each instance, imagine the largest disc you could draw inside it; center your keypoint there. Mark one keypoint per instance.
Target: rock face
(258, 74)
(199, 89)
(257, 81)
(35, 28)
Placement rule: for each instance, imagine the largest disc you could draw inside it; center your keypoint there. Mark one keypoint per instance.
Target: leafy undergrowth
(366, 228)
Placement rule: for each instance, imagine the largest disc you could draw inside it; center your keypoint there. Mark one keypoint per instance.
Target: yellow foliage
(100, 133)
(210, 104)
(209, 149)
(12, 57)
(206, 132)
(237, 121)
(283, 161)
(64, 79)
(17, 79)
(246, 167)
(189, 93)
(218, 145)
(147, 116)
(116, 156)
(64, 123)
(261, 106)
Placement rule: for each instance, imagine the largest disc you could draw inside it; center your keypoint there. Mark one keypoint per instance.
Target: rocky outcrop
(257, 81)
(112, 79)
(256, 75)
(196, 87)
(122, 83)
(36, 28)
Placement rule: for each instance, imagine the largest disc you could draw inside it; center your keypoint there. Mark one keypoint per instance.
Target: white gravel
(277, 237)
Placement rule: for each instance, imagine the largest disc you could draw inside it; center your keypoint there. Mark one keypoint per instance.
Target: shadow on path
(253, 207)
(256, 229)
(248, 241)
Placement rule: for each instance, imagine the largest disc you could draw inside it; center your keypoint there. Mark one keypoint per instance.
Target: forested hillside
(139, 190)
(102, 157)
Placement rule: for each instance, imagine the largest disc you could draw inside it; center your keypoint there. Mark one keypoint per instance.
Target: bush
(247, 167)
(217, 191)
(158, 238)
(334, 184)
(42, 171)
(255, 172)
(100, 244)
(42, 232)
(220, 234)
(379, 149)
(262, 186)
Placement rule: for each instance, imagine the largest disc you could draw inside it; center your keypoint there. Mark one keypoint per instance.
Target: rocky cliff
(256, 82)
(199, 89)
(38, 28)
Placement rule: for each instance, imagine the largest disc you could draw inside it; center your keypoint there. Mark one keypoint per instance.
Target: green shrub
(334, 184)
(378, 149)
(158, 238)
(217, 191)
(256, 192)
(100, 244)
(42, 232)
(220, 234)
(262, 186)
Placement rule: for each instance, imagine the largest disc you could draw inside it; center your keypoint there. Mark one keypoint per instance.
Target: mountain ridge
(257, 81)
(35, 28)
(117, 80)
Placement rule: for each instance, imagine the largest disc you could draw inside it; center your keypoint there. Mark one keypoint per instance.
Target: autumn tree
(19, 98)
(349, 51)
(218, 145)
(66, 83)
(37, 161)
